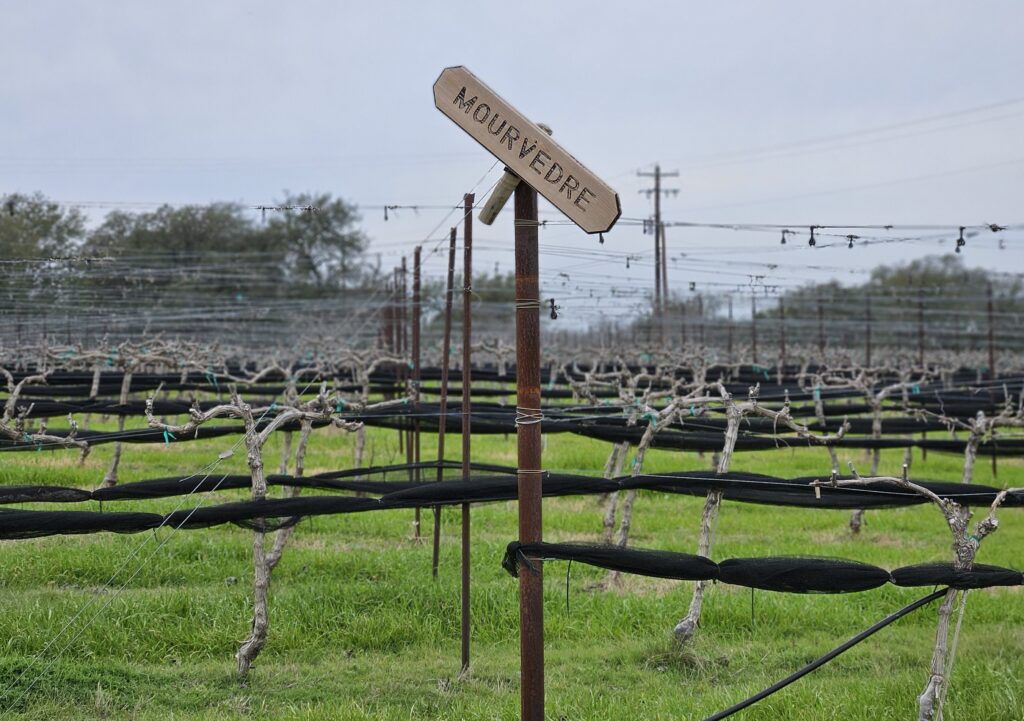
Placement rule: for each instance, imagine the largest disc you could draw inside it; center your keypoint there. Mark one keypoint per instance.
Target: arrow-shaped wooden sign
(527, 150)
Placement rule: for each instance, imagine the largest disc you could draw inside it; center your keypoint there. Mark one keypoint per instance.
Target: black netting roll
(736, 486)
(802, 575)
(242, 512)
(34, 524)
(42, 494)
(944, 574)
(481, 489)
(661, 564)
(174, 486)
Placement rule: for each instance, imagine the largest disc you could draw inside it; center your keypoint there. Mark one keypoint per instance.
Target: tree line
(304, 241)
(939, 294)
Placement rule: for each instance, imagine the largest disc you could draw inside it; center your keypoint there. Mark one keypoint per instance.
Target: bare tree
(13, 423)
(320, 409)
(965, 549)
(686, 629)
(866, 381)
(982, 428)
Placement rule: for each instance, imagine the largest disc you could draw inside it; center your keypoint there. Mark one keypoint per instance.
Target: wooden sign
(526, 150)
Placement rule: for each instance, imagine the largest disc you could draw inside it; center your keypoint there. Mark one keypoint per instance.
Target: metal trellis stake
(467, 409)
(443, 415)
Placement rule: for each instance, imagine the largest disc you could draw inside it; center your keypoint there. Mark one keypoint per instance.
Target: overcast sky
(123, 103)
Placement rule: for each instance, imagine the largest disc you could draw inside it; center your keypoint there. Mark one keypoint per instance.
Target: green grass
(358, 629)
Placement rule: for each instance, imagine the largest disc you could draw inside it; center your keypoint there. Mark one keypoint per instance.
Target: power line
(867, 186)
(732, 156)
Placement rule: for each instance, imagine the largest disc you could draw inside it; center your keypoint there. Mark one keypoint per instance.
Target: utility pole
(660, 290)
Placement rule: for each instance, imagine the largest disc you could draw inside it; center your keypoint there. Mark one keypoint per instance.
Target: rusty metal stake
(867, 333)
(467, 406)
(443, 415)
(991, 346)
(531, 581)
(753, 329)
(782, 334)
(416, 376)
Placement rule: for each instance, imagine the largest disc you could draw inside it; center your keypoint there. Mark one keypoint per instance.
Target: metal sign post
(528, 434)
(544, 167)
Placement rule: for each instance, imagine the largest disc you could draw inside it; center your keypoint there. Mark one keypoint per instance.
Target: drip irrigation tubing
(818, 663)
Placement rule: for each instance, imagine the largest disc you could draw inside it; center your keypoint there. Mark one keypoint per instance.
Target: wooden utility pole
(467, 409)
(660, 277)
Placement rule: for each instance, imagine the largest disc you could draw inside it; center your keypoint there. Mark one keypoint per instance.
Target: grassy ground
(360, 631)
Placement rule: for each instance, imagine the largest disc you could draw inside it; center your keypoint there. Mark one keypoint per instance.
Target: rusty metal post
(821, 330)
(728, 341)
(920, 329)
(867, 334)
(467, 407)
(389, 317)
(683, 330)
(404, 310)
(402, 377)
(399, 384)
(753, 328)
(658, 309)
(414, 441)
(991, 342)
(443, 415)
(531, 581)
(664, 271)
(992, 364)
(700, 319)
(782, 333)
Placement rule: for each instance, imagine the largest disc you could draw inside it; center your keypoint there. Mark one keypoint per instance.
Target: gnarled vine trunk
(110, 478)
